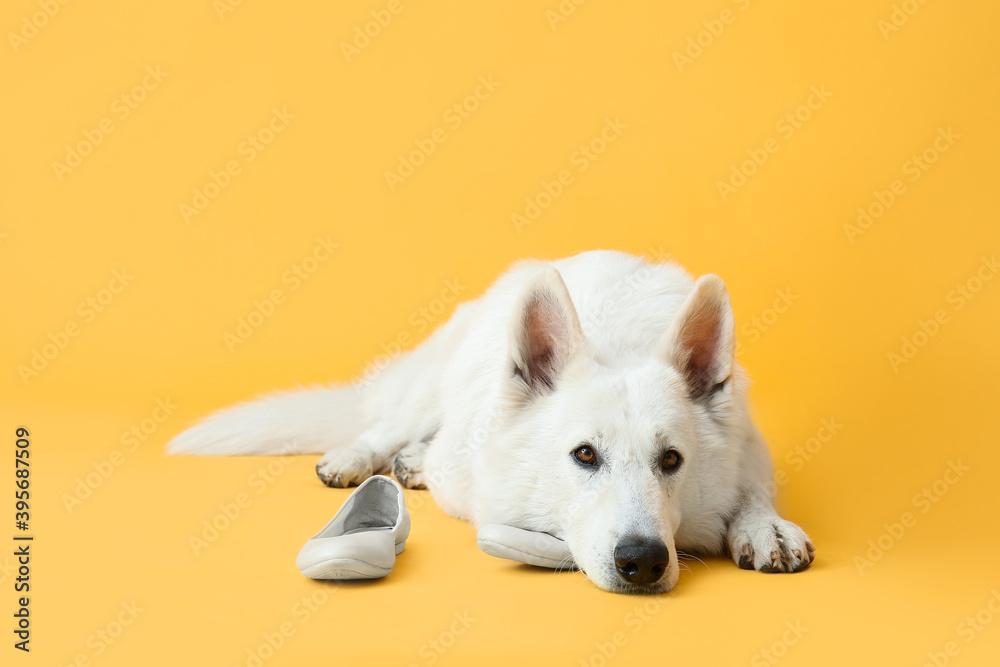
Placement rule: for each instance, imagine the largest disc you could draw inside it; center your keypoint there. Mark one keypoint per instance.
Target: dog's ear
(701, 342)
(543, 333)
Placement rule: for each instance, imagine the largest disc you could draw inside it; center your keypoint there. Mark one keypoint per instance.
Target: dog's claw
(323, 478)
(786, 547)
(408, 477)
(775, 564)
(333, 481)
(746, 559)
(408, 465)
(346, 466)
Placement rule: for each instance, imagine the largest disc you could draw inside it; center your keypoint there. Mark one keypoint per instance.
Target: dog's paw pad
(341, 468)
(773, 546)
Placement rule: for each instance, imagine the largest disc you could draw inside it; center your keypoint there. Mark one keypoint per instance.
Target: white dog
(595, 398)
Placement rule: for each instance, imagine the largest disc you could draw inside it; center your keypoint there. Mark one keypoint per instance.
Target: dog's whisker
(565, 565)
(682, 556)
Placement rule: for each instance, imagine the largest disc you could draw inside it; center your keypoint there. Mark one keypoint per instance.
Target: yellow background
(655, 188)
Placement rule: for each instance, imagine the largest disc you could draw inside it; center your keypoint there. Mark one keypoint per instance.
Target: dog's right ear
(543, 333)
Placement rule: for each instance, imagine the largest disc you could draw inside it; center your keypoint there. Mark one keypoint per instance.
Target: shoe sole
(511, 553)
(348, 568)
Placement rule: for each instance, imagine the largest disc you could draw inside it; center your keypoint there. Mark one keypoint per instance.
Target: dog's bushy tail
(307, 421)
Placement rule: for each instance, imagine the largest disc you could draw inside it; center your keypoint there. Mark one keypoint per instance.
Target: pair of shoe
(370, 530)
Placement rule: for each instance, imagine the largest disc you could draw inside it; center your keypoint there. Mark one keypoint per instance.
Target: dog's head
(610, 452)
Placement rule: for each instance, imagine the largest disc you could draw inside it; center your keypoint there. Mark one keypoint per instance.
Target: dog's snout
(641, 560)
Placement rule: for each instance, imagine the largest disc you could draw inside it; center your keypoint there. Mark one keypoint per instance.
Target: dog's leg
(757, 537)
(409, 465)
(369, 455)
(761, 540)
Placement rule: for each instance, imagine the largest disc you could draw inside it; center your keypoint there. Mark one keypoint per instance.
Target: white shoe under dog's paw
(363, 538)
(524, 546)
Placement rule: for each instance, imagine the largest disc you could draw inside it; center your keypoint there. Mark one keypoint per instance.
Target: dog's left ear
(544, 332)
(701, 342)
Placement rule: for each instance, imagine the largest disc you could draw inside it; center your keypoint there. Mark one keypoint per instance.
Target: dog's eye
(670, 461)
(586, 455)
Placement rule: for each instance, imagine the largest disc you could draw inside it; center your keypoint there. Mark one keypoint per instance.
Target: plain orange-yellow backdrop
(116, 116)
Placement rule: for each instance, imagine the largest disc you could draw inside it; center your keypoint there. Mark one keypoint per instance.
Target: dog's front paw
(408, 466)
(345, 467)
(410, 478)
(774, 545)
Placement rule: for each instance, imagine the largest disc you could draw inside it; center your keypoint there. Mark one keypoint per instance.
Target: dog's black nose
(641, 560)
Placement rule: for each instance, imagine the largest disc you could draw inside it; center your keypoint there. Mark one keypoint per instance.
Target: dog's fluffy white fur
(633, 361)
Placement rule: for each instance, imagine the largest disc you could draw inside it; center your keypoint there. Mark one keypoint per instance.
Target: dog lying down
(595, 398)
